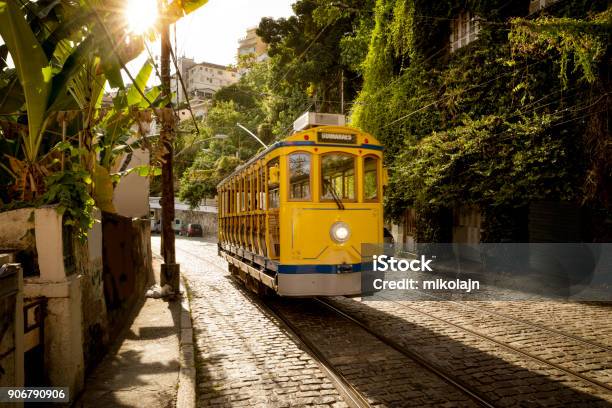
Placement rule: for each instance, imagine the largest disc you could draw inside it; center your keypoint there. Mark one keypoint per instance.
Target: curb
(186, 393)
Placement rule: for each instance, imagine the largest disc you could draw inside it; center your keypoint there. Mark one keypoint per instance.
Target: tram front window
(299, 176)
(337, 175)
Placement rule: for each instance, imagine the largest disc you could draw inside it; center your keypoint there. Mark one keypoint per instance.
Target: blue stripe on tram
(306, 269)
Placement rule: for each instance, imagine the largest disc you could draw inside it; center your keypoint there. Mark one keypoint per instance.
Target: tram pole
(170, 270)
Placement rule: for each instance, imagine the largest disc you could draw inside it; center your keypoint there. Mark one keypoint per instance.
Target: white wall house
(202, 80)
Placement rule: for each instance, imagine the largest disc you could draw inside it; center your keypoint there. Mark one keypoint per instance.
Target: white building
(252, 45)
(198, 107)
(202, 80)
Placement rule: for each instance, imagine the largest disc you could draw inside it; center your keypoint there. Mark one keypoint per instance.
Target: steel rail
(481, 400)
(352, 396)
(525, 322)
(507, 346)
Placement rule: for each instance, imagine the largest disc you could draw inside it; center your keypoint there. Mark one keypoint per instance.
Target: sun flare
(141, 15)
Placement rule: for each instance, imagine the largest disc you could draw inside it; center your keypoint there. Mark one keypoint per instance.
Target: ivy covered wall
(516, 116)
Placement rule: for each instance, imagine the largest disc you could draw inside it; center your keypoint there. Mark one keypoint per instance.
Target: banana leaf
(140, 82)
(32, 68)
(11, 94)
(177, 9)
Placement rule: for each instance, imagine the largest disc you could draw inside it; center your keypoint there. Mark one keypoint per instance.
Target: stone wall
(208, 220)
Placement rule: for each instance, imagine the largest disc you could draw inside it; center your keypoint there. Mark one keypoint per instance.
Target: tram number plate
(343, 138)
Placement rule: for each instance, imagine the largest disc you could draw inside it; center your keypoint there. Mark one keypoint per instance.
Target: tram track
(353, 396)
(357, 398)
(589, 380)
(534, 325)
(481, 400)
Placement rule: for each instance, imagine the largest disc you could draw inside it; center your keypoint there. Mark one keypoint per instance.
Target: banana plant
(64, 53)
(55, 60)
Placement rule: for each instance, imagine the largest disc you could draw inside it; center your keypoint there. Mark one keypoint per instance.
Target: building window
(464, 30)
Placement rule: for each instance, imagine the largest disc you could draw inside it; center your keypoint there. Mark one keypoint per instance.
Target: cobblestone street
(507, 353)
(244, 358)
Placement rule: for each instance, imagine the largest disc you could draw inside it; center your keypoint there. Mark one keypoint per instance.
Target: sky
(211, 33)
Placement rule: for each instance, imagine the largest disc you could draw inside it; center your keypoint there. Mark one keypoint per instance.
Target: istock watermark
(488, 271)
(384, 263)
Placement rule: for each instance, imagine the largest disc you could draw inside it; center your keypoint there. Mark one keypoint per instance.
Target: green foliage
(69, 189)
(487, 161)
(33, 69)
(490, 124)
(570, 40)
(201, 179)
(311, 51)
(204, 160)
(64, 52)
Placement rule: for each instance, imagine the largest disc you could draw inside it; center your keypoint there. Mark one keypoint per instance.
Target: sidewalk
(142, 368)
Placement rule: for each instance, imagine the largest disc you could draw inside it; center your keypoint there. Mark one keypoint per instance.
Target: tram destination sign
(343, 138)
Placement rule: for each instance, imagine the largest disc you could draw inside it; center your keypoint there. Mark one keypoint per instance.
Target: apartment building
(253, 45)
(202, 79)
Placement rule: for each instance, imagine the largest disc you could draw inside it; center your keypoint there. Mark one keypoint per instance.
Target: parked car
(191, 230)
(155, 226)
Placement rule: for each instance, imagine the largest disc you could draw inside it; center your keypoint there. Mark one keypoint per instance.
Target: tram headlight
(340, 232)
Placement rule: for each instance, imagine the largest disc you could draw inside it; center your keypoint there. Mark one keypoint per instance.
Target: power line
(180, 78)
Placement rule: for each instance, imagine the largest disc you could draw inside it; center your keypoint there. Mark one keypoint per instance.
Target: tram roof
(298, 139)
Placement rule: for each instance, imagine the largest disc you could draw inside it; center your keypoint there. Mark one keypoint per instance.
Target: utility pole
(170, 270)
(342, 91)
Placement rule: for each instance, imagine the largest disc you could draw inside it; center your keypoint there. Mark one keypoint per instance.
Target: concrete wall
(17, 229)
(95, 322)
(131, 196)
(61, 285)
(208, 221)
(69, 273)
(40, 232)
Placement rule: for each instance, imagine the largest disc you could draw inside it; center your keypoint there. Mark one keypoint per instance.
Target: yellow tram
(293, 218)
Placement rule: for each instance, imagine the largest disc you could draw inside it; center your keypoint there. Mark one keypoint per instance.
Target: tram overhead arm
(252, 134)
